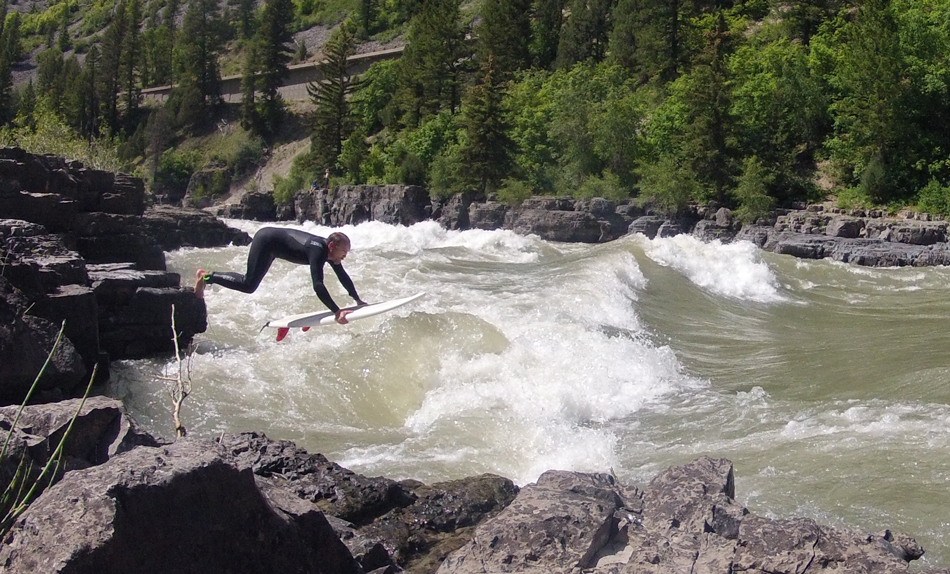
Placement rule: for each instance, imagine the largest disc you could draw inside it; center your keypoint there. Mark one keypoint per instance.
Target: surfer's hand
(341, 316)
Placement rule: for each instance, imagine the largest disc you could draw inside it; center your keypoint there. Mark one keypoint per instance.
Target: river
(826, 384)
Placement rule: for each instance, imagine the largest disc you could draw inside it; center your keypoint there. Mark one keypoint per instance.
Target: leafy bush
(175, 169)
(754, 202)
(934, 198)
(45, 133)
(607, 186)
(514, 192)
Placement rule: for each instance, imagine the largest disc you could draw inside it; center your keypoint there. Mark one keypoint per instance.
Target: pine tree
(586, 32)
(430, 69)
(488, 148)
(331, 122)
(63, 43)
(366, 13)
(110, 67)
(9, 52)
(130, 62)
(273, 41)
(546, 32)
(504, 34)
(708, 140)
(196, 60)
(88, 104)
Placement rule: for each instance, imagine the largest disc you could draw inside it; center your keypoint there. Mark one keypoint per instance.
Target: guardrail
(295, 84)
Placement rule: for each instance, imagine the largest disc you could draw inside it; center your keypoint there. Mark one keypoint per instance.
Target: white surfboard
(307, 320)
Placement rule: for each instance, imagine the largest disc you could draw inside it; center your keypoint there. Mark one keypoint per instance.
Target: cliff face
(79, 249)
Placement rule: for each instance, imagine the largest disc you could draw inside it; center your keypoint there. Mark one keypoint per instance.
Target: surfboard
(306, 320)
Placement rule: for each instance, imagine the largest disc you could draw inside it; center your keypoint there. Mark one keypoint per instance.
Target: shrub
(514, 192)
(934, 198)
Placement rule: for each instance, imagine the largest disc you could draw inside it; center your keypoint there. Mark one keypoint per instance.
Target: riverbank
(245, 503)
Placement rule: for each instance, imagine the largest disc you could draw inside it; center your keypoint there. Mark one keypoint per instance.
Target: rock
(256, 206)
(489, 215)
(334, 489)
(136, 311)
(77, 306)
(25, 343)
(685, 520)
(555, 525)
(101, 430)
(174, 227)
(205, 184)
(440, 521)
(354, 204)
(184, 507)
(648, 225)
(844, 227)
(555, 225)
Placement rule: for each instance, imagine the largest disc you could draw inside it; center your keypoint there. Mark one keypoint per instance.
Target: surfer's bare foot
(200, 283)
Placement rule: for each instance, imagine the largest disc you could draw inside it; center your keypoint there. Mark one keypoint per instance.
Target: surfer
(295, 246)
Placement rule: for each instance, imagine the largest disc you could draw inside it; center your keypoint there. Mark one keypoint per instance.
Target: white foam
(732, 270)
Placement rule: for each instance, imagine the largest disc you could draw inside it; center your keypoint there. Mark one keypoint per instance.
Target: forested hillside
(752, 104)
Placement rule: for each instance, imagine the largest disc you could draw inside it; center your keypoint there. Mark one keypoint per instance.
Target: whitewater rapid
(825, 384)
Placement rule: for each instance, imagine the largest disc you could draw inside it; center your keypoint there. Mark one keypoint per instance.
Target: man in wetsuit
(297, 247)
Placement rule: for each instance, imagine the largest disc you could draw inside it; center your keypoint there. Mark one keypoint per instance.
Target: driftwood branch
(178, 384)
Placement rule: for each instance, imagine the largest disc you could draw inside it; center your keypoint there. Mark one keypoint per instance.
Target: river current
(826, 384)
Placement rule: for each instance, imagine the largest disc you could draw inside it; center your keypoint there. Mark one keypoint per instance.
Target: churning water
(826, 384)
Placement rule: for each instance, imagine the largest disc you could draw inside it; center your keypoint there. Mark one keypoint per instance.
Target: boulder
(487, 215)
(648, 225)
(685, 520)
(556, 525)
(354, 204)
(205, 184)
(185, 507)
(557, 225)
(334, 489)
(25, 344)
(136, 311)
(101, 430)
(256, 206)
(844, 227)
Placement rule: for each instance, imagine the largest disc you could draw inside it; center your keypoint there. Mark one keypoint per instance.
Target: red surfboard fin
(282, 332)
(305, 329)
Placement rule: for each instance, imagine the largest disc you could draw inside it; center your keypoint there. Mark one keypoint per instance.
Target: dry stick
(179, 386)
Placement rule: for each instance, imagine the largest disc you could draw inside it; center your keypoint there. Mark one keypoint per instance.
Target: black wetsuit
(292, 245)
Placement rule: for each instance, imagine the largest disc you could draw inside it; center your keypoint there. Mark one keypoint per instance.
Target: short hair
(339, 239)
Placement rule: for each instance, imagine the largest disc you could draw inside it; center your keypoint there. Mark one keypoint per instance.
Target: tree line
(751, 104)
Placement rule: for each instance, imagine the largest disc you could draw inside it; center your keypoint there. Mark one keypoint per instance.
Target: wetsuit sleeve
(346, 281)
(316, 275)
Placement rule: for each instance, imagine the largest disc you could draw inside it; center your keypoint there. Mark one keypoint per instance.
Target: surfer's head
(338, 245)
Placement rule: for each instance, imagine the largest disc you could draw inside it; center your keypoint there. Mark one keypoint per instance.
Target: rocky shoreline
(245, 503)
(81, 248)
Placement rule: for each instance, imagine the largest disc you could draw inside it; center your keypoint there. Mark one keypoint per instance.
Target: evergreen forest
(751, 104)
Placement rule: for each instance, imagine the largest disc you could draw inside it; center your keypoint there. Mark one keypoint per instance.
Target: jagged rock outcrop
(685, 520)
(254, 205)
(184, 507)
(69, 219)
(245, 503)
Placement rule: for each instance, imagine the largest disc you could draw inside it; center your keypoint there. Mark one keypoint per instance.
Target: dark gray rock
(685, 520)
(184, 508)
(205, 184)
(557, 225)
(845, 227)
(648, 225)
(255, 206)
(488, 215)
(354, 204)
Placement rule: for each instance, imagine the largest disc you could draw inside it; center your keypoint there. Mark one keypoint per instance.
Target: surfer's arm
(347, 282)
(316, 274)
